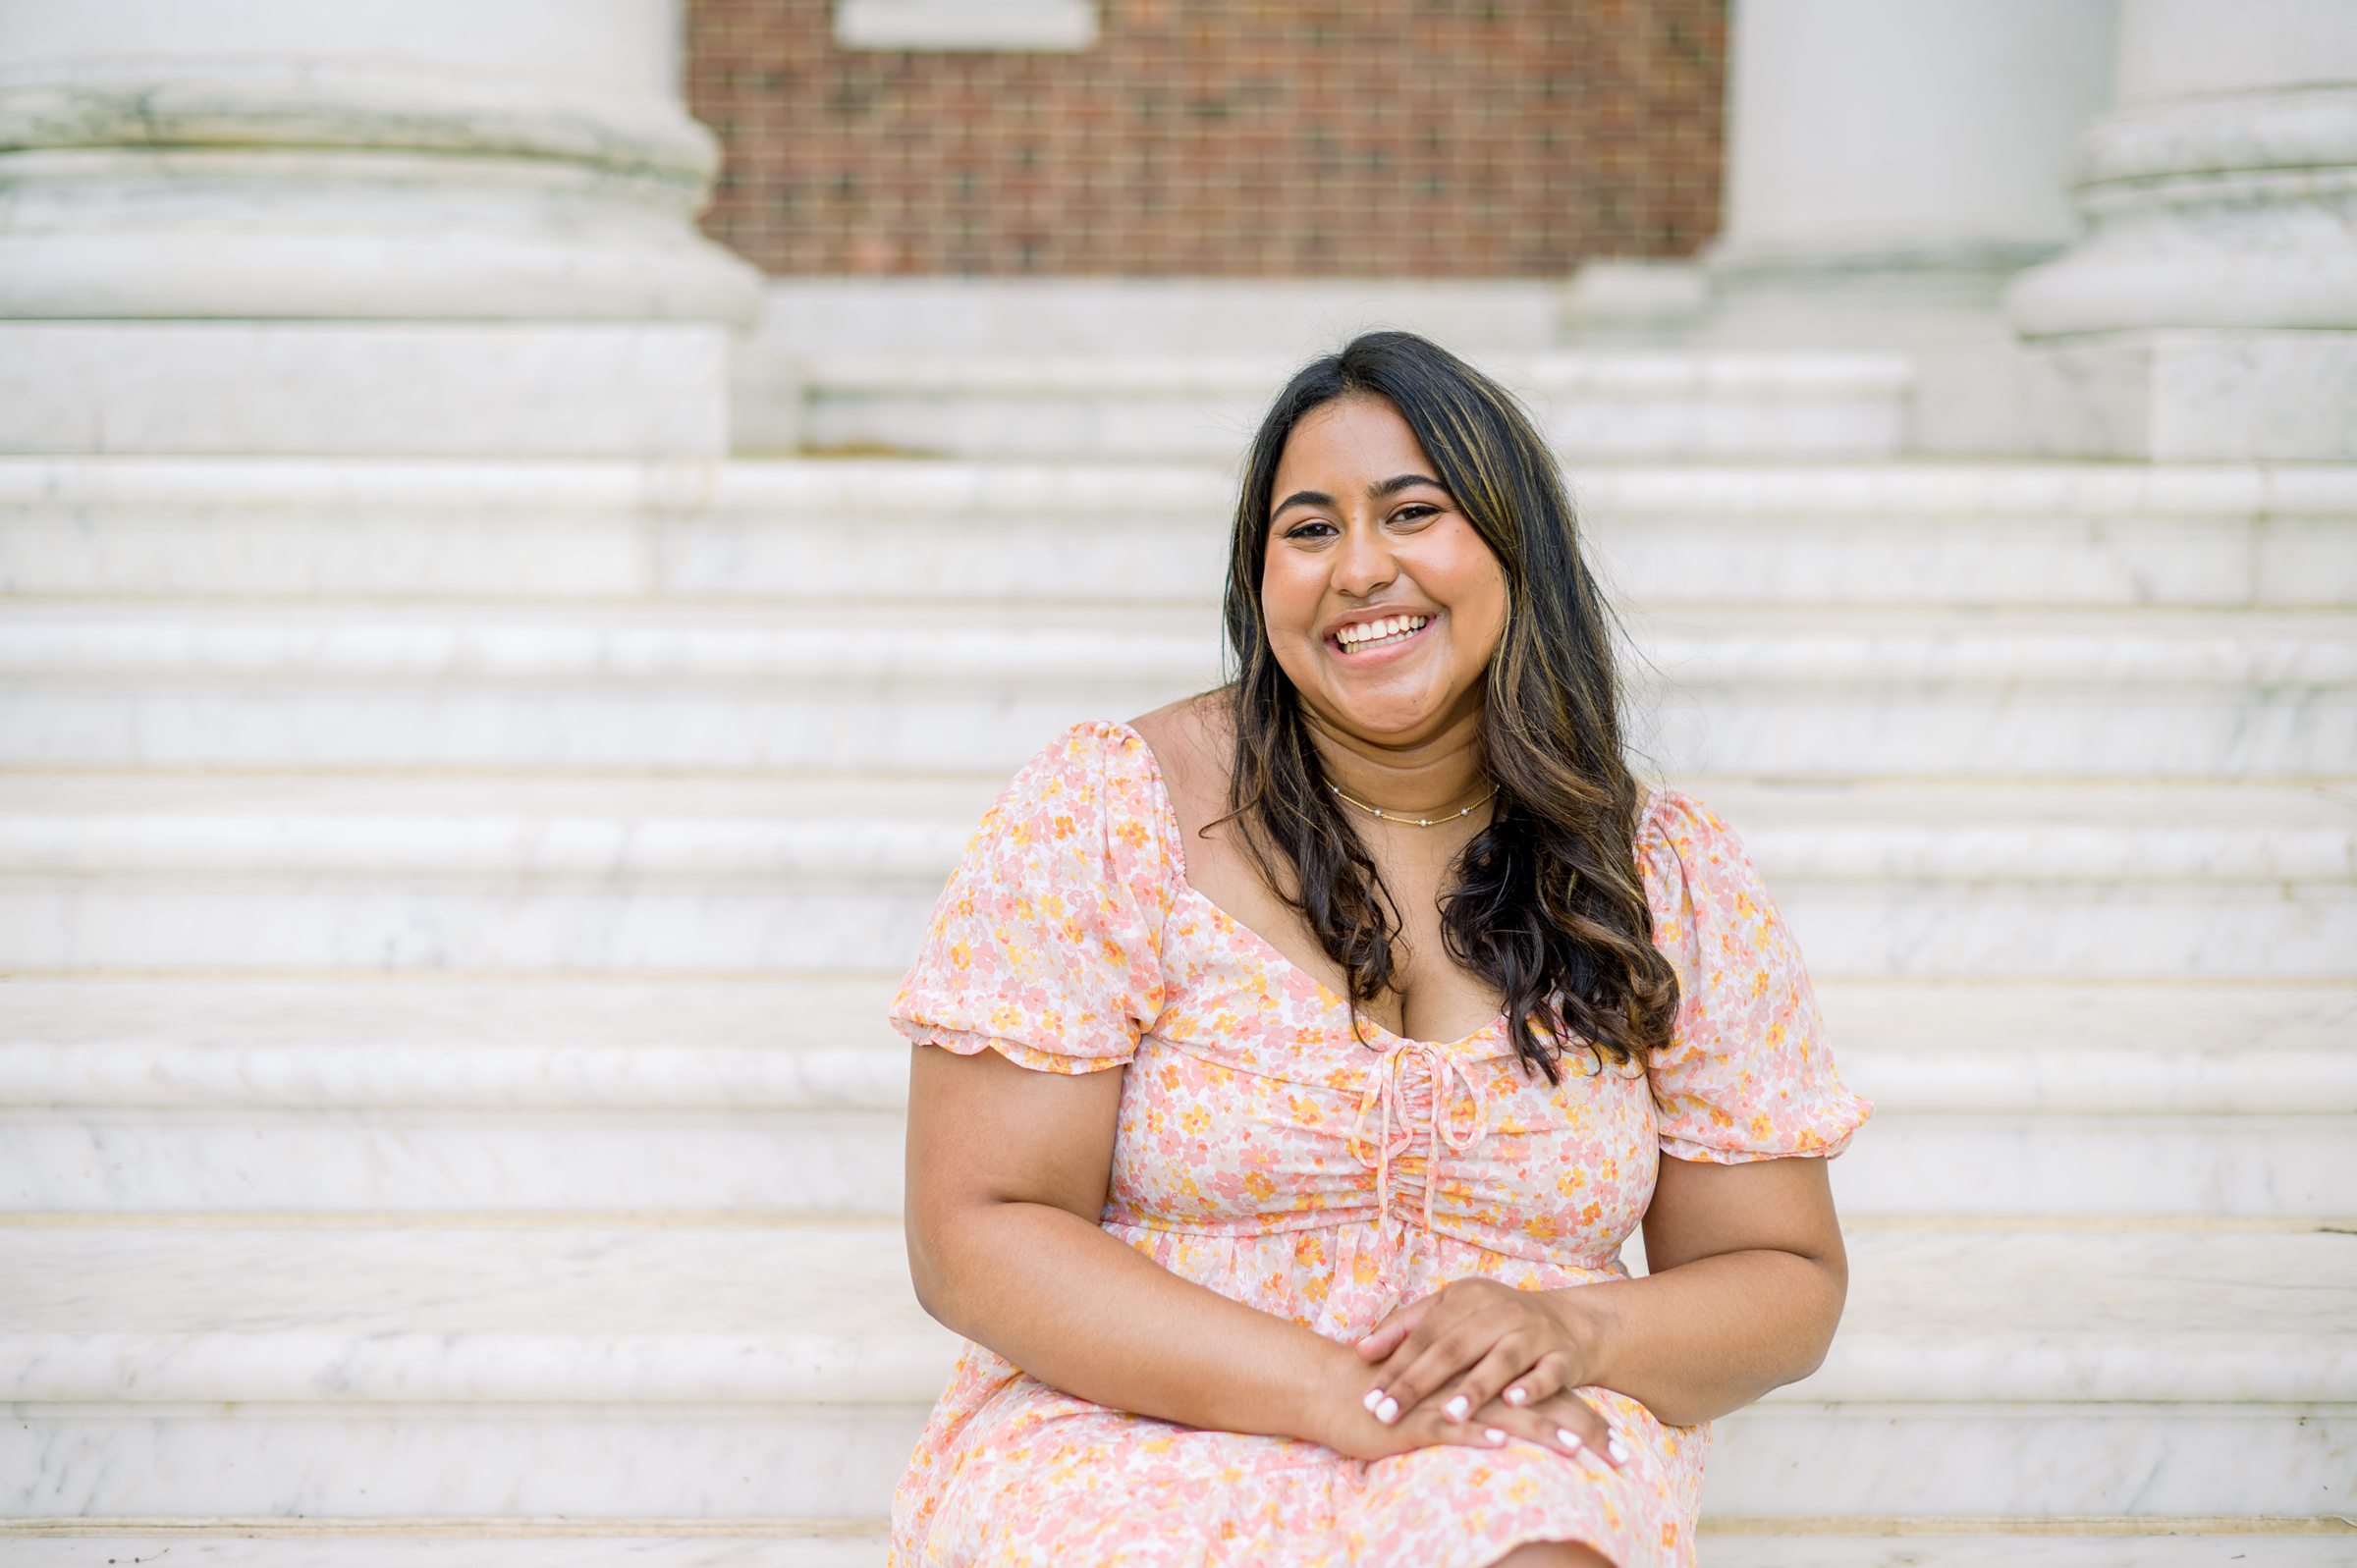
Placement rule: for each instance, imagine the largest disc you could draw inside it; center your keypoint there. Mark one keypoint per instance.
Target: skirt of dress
(1011, 1471)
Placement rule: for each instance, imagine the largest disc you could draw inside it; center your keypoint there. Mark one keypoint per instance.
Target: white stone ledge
(2223, 1050)
(1932, 535)
(1080, 648)
(686, 1541)
(760, 827)
(658, 1162)
(759, 875)
(1635, 373)
(802, 1315)
(446, 1074)
(1976, 490)
(2021, 1543)
(517, 389)
(807, 1314)
(822, 1042)
(703, 687)
(483, 1100)
(2066, 1078)
(592, 1464)
(1937, 488)
(1596, 405)
(1281, 321)
(814, 1042)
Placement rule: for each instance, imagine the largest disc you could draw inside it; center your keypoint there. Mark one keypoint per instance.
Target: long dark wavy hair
(1546, 903)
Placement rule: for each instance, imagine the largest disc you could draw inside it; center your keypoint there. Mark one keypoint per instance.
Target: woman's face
(1382, 603)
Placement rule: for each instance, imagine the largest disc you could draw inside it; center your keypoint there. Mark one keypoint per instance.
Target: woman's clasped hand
(1475, 1364)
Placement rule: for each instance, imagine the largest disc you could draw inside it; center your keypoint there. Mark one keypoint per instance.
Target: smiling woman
(1523, 701)
(1292, 1064)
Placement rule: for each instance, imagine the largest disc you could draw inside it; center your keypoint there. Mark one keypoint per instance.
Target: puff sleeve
(1747, 1074)
(1044, 946)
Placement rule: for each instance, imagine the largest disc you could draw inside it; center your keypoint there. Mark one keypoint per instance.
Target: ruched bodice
(1456, 1138)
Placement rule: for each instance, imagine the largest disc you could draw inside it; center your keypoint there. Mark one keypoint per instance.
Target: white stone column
(1888, 166)
(358, 226)
(2211, 311)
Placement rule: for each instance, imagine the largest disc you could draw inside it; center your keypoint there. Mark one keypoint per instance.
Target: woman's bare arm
(1747, 1275)
(1007, 1178)
(1747, 1284)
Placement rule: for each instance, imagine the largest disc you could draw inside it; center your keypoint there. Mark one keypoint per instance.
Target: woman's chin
(1388, 718)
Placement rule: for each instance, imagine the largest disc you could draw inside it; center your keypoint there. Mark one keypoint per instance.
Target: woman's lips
(1387, 642)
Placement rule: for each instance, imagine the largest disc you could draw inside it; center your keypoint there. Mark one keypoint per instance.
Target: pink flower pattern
(1266, 1154)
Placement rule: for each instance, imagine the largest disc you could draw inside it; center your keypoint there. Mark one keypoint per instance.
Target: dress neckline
(1268, 953)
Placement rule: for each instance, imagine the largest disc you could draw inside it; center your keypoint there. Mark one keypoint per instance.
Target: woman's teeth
(1380, 633)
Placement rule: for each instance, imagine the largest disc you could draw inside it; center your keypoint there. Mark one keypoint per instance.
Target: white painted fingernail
(1516, 1395)
(1460, 1408)
(1389, 1410)
(1493, 1437)
(1374, 1398)
(1618, 1449)
(1566, 1436)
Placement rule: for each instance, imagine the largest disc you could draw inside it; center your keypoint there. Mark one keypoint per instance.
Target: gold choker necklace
(1413, 822)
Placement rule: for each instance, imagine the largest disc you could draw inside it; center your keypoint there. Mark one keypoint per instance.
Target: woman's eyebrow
(1389, 487)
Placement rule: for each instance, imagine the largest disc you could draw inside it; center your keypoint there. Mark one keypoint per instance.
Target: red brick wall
(1444, 138)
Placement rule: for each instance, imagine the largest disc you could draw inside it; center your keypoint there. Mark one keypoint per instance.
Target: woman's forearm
(1080, 1310)
(1694, 1342)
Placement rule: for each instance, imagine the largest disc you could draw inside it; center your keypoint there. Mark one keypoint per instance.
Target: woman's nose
(1365, 563)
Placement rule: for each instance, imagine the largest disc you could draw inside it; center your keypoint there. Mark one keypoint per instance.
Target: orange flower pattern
(1265, 1153)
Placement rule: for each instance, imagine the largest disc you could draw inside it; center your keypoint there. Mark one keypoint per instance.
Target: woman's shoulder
(1674, 820)
(1191, 743)
(1194, 731)
(1699, 875)
(1095, 787)
(1687, 851)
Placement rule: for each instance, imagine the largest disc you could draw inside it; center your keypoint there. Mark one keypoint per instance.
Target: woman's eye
(1419, 512)
(1308, 531)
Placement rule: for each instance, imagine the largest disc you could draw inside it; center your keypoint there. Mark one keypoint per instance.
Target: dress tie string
(1385, 1093)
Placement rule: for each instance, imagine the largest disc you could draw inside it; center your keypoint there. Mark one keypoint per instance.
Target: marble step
(2097, 1543)
(837, 1162)
(1918, 533)
(458, 1543)
(735, 1373)
(549, 1096)
(819, 1042)
(463, 1096)
(836, 688)
(692, 1543)
(730, 875)
(1594, 406)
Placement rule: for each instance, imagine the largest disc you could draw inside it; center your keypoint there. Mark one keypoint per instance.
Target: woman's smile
(1365, 642)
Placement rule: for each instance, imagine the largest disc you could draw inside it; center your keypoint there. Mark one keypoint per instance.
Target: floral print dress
(1265, 1153)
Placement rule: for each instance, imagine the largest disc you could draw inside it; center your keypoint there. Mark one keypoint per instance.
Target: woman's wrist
(1589, 1319)
(1324, 1404)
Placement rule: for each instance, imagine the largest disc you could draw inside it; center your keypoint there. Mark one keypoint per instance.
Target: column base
(2219, 396)
(365, 389)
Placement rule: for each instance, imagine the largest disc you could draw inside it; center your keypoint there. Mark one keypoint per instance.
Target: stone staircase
(448, 910)
(1631, 404)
